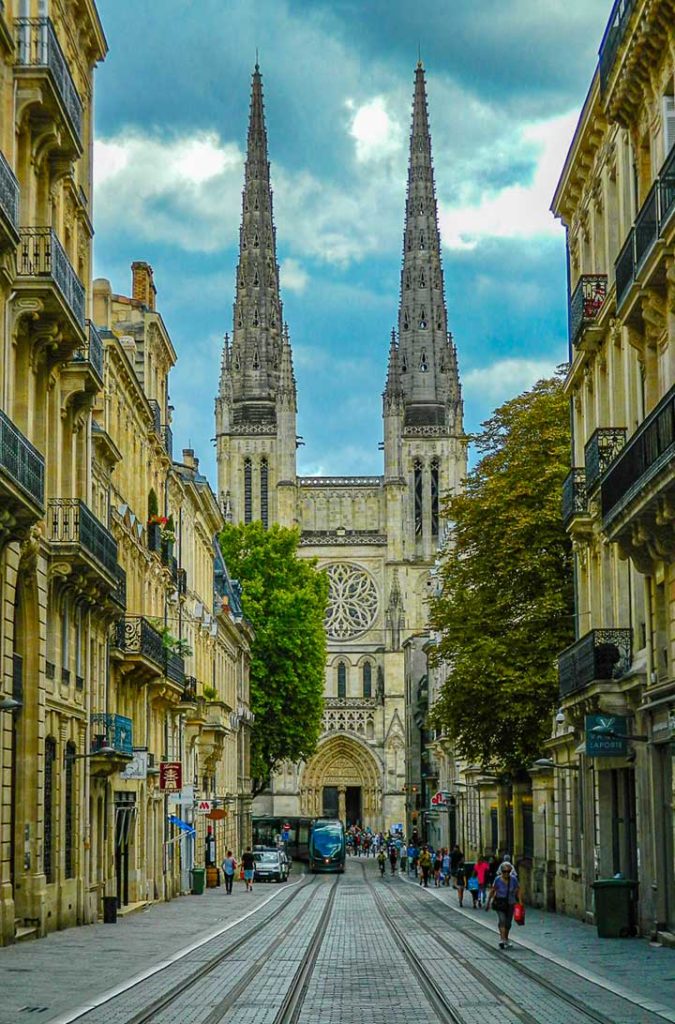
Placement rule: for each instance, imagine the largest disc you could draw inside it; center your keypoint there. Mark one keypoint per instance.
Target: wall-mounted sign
(137, 768)
(204, 806)
(606, 736)
(170, 776)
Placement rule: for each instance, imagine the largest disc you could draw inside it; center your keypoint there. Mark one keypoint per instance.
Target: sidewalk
(48, 977)
(632, 968)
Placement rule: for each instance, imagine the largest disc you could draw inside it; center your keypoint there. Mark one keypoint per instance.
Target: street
(334, 949)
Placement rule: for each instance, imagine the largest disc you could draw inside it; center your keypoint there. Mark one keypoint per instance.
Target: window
(424, 366)
(248, 496)
(668, 124)
(423, 325)
(50, 757)
(434, 497)
(264, 478)
(342, 680)
(367, 680)
(65, 640)
(69, 844)
(417, 487)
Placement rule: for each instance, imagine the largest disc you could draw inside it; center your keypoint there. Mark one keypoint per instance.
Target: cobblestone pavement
(559, 972)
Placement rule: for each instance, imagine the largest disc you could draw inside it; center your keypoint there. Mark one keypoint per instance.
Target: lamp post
(612, 734)
(105, 750)
(547, 762)
(9, 704)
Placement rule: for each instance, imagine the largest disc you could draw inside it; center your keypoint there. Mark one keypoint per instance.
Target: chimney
(189, 458)
(142, 283)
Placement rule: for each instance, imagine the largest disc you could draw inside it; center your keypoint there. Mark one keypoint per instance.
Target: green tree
(284, 598)
(505, 607)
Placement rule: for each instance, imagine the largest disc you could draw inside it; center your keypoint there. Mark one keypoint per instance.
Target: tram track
(583, 1013)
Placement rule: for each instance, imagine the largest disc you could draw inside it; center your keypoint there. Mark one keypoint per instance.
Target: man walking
(248, 864)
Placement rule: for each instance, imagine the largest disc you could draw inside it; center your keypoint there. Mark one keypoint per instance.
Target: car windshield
(327, 841)
(267, 857)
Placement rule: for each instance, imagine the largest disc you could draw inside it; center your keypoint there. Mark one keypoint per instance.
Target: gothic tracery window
(418, 493)
(248, 493)
(434, 497)
(342, 680)
(352, 601)
(367, 680)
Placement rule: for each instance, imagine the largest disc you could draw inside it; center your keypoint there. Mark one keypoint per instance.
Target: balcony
(79, 537)
(156, 415)
(9, 206)
(182, 582)
(189, 690)
(167, 440)
(624, 269)
(112, 733)
(643, 472)
(602, 655)
(119, 594)
(585, 304)
(601, 449)
(22, 478)
(175, 668)
(613, 37)
(574, 496)
(45, 81)
(140, 645)
(45, 272)
(91, 352)
(667, 189)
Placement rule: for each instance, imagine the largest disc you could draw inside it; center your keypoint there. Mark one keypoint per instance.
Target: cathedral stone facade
(375, 536)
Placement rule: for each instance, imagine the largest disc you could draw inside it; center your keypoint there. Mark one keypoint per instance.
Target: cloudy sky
(506, 80)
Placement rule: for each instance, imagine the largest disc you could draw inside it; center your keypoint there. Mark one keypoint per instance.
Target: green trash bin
(615, 907)
(198, 879)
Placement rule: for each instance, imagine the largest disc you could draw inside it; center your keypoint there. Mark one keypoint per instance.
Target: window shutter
(668, 123)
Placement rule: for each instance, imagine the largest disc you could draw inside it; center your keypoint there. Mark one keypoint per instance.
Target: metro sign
(204, 806)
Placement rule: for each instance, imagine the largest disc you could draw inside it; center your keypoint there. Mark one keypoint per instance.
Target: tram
(327, 846)
(269, 830)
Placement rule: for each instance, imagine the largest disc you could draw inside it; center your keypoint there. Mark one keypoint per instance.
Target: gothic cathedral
(376, 536)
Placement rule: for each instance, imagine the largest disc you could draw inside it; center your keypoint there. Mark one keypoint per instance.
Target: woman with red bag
(505, 894)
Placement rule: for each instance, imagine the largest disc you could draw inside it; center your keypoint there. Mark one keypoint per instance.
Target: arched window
(342, 680)
(434, 497)
(69, 838)
(367, 680)
(50, 758)
(424, 366)
(248, 494)
(417, 487)
(264, 480)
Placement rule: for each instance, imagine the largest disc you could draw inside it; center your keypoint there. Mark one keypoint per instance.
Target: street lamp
(547, 762)
(612, 734)
(9, 704)
(106, 751)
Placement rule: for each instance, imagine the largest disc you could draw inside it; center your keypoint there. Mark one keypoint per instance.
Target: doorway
(353, 805)
(125, 813)
(330, 802)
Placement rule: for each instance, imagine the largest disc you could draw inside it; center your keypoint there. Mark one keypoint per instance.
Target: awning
(185, 826)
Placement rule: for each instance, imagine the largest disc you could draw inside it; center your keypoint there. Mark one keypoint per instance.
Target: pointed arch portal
(343, 779)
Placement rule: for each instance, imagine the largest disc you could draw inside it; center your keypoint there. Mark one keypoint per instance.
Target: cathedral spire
(254, 360)
(429, 386)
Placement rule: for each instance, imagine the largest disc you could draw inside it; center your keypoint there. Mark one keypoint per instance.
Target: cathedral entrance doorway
(343, 780)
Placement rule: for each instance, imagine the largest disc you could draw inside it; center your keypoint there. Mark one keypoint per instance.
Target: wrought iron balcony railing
(650, 450)
(601, 449)
(613, 37)
(135, 635)
(190, 689)
(175, 667)
(38, 47)
(182, 582)
(599, 656)
(92, 351)
(9, 200)
(574, 496)
(167, 439)
(119, 594)
(667, 188)
(156, 415)
(72, 522)
(41, 256)
(624, 268)
(21, 461)
(586, 301)
(112, 731)
(647, 226)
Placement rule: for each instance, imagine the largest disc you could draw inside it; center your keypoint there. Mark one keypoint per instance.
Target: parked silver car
(270, 865)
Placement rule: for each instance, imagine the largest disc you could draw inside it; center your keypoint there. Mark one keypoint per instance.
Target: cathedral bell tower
(256, 403)
(424, 443)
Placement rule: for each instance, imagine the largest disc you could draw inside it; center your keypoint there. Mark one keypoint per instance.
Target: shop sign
(137, 768)
(612, 741)
(170, 776)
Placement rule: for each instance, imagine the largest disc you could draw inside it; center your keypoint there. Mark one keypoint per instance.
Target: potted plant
(210, 692)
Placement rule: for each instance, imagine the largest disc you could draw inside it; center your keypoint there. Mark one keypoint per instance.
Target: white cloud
(378, 136)
(505, 378)
(292, 275)
(518, 210)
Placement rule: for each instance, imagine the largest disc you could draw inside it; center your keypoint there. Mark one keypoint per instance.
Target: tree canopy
(284, 598)
(505, 606)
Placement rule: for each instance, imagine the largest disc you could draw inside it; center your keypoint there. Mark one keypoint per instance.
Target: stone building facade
(98, 684)
(375, 536)
(613, 798)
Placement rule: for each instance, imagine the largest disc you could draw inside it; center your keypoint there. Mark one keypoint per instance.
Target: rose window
(352, 601)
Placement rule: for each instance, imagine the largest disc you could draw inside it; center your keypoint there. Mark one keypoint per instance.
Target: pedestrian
(393, 857)
(445, 870)
(425, 866)
(460, 882)
(456, 857)
(382, 860)
(248, 864)
(229, 868)
(473, 885)
(412, 858)
(404, 859)
(438, 866)
(504, 894)
(482, 872)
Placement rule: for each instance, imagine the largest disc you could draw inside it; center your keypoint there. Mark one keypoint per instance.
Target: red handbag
(519, 913)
